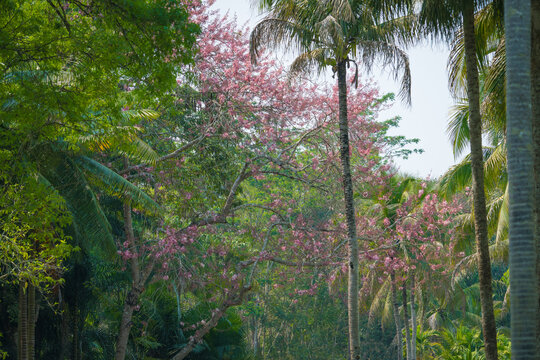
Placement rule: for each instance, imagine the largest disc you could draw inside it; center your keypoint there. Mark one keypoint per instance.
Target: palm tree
(335, 33)
(535, 99)
(494, 103)
(442, 17)
(524, 301)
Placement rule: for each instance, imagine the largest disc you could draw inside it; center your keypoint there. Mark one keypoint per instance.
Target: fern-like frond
(138, 150)
(389, 56)
(503, 219)
(91, 227)
(308, 61)
(275, 32)
(117, 186)
(331, 35)
(456, 179)
(458, 127)
(132, 116)
(379, 300)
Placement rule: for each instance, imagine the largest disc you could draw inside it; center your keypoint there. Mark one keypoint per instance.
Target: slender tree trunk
(396, 317)
(216, 316)
(479, 198)
(64, 327)
(422, 310)
(352, 289)
(523, 298)
(413, 318)
(255, 336)
(535, 100)
(406, 320)
(23, 322)
(132, 298)
(27, 321)
(75, 354)
(31, 291)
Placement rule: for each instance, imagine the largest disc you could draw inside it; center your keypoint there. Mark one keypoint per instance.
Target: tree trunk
(523, 298)
(396, 317)
(352, 289)
(535, 100)
(132, 298)
(413, 318)
(22, 344)
(479, 199)
(406, 321)
(64, 327)
(31, 313)
(76, 353)
(216, 316)
(422, 310)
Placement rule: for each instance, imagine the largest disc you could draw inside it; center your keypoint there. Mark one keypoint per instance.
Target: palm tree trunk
(64, 327)
(132, 298)
(396, 317)
(31, 313)
(23, 322)
(479, 198)
(523, 298)
(75, 355)
(535, 88)
(406, 321)
(413, 318)
(352, 289)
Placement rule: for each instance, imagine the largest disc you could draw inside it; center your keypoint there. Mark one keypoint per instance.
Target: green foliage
(32, 217)
(461, 343)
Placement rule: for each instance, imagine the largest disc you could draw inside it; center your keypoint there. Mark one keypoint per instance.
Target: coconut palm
(494, 104)
(535, 99)
(444, 18)
(524, 298)
(336, 34)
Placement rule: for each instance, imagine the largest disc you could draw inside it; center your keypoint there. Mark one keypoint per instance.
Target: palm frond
(456, 179)
(308, 61)
(91, 227)
(458, 127)
(136, 115)
(117, 185)
(331, 35)
(440, 18)
(379, 300)
(342, 9)
(138, 150)
(275, 32)
(503, 219)
(402, 30)
(493, 211)
(388, 55)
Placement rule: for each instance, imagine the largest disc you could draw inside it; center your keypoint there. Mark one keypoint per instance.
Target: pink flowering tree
(243, 153)
(415, 251)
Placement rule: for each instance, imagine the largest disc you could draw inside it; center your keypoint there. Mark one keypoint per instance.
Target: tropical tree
(443, 18)
(336, 34)
(524, 296)
(535, 101)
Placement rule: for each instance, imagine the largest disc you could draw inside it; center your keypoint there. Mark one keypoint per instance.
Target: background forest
(170, 191)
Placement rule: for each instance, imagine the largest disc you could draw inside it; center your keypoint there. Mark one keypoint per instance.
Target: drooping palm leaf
(89, 222)
(117, 185)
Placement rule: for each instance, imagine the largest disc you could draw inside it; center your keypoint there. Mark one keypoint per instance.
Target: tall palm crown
(327, 32)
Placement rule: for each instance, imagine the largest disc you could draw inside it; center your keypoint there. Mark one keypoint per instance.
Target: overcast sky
(425, 119)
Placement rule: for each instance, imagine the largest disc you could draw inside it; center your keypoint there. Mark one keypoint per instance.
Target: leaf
(117, 185)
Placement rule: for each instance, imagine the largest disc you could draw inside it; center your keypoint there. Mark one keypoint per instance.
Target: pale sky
(431, 101)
